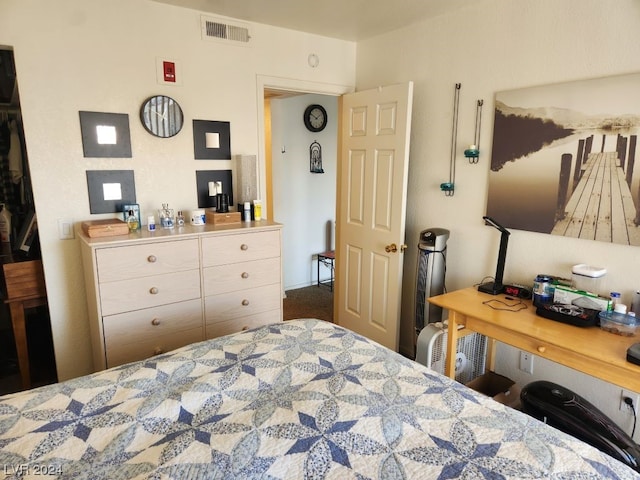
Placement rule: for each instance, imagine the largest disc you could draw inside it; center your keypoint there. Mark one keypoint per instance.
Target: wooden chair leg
(20, 335)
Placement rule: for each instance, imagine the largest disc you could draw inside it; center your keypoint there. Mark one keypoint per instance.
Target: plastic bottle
(132, 221)
(247, 212)
(257, 210)
(615, 299)
(151, 223)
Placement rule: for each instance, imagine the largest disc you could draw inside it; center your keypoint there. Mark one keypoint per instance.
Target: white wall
(100, 55)
(491, 46)
(304, 202)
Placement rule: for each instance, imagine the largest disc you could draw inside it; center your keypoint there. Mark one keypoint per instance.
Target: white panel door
(372, 184)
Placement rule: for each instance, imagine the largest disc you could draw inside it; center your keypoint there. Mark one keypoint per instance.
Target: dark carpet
(309, 302)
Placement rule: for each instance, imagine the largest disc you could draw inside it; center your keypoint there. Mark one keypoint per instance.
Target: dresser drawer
(147, 259)
(133, 327)
(135, 294)
(241, 276)
(120, 353)
(226, 306)
(224, 249)
(226, 327)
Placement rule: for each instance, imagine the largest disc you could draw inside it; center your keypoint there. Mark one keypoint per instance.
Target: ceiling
(352, 20)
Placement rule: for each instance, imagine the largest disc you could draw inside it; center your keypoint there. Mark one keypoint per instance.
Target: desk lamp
(496, 287)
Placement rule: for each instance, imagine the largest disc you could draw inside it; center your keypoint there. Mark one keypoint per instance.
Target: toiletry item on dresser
(132, 221)
(180, 219)
(167, 219)
(257, 210)
(246, 212)
(151, 223)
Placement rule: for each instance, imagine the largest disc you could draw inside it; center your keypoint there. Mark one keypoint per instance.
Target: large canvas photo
(563, 159)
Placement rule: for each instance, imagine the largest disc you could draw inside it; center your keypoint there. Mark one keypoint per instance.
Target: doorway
(304, 201)
(19, 247)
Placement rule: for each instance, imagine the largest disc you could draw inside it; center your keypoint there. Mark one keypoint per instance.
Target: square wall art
(105, 134)
(211, 140)
(110, 190)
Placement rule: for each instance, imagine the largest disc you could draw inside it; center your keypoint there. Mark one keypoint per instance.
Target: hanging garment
(15, 153)
(8, 194)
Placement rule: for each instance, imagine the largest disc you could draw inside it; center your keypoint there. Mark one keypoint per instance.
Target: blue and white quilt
(302, 399)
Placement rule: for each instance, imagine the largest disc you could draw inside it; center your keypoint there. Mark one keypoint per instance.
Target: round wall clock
(315, 118)
(161, 116)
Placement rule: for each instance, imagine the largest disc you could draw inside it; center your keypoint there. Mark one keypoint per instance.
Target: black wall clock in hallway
(315, 118)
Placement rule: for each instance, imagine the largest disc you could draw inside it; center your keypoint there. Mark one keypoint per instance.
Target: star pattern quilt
(301, 399)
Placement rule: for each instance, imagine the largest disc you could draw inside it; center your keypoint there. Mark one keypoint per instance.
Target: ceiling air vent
(221, 30)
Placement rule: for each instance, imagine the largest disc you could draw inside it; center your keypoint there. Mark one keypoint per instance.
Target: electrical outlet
(526, 362)
(633, 396)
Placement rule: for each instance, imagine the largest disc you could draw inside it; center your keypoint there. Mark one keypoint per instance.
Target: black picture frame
(211, 140)
(116, 141)
(28, 233)
(203, 177)
(110, 190)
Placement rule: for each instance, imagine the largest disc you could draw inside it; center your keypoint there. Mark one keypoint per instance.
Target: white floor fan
(471, 352)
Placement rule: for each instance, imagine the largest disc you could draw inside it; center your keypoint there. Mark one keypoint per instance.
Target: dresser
(151, 292)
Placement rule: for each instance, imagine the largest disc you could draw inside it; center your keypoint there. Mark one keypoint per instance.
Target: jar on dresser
(151, 292)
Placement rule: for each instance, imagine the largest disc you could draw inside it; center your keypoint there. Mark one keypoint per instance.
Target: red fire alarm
(169, 71)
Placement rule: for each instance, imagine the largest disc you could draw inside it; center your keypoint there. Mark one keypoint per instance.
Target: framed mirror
(161, 116)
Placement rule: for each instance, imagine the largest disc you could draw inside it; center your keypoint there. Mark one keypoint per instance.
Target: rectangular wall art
(563, 159)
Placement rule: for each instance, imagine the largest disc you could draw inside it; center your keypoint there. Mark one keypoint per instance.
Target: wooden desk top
(587, 349)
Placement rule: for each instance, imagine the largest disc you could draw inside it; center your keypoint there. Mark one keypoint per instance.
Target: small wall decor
(168, 71)
(208, 187)
(105, 134)
(449, 187)
(315, 158)
(473, 152)
(110, 190)
(211, 140)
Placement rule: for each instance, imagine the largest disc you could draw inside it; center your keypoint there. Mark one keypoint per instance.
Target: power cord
(629, 402)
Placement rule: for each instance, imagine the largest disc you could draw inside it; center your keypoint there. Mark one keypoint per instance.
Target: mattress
(297, 399)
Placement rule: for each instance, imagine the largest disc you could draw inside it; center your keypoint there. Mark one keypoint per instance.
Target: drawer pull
(244, 246)
(245, 302)
(153, 290)
(155, 322)
(542, 349)
(245, 275)
(158, 351)
(152, 259)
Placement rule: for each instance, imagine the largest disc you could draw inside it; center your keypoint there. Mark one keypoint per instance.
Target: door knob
(393, 248)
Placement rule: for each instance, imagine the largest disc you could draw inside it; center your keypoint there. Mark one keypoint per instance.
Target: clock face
(315, 118)
(161, 116)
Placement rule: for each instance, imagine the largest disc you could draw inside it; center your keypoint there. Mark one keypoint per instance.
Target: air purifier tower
(430, 273)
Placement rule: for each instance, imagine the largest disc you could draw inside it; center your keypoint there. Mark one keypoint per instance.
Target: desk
(588, 350)
(24, 288)
(327, 259)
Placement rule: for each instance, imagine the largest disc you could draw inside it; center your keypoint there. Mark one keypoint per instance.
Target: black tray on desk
(571, 314)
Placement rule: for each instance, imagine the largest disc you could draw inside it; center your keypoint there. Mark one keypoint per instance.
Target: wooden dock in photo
(600, 207)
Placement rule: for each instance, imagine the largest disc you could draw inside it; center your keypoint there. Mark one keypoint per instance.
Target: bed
(297, 399)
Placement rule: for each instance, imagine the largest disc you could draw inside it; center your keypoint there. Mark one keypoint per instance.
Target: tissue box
(573, 296)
